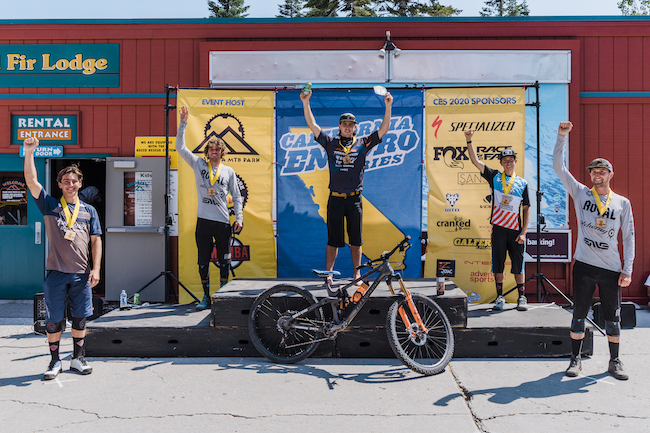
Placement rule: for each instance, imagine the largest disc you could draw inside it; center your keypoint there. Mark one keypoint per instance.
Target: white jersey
(211, 207)
(598, 246)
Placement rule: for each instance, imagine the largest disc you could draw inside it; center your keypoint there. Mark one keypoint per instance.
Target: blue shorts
(75, 288)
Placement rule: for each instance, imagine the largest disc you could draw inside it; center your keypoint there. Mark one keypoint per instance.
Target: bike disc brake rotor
(418, 337)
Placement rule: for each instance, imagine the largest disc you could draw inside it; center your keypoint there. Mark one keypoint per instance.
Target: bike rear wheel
(272, 308)
(426, 353)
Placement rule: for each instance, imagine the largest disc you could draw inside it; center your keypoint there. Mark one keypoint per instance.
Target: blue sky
(94, 9)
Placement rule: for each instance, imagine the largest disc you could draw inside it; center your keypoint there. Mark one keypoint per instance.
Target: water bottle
(123, 299)
(307, 88)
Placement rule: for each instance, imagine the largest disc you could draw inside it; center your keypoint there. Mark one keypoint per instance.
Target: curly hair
(72, 168)
(217, 142)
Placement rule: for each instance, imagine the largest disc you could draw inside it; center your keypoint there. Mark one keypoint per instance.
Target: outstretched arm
(385, 122)
(309, 116)
(472, 152)
(31, 176)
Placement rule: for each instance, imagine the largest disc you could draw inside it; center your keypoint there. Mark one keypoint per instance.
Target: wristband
(469, 142)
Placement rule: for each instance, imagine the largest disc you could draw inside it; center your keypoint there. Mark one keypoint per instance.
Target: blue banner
(392, 187)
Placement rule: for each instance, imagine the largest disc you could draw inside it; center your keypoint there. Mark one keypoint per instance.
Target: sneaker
(522, 303)
(575, 367)
(616, 369)
(80, 365)
(498, 304)
(53, 370)
(205, 303)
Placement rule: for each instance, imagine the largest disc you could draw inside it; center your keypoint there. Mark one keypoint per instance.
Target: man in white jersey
(601, 213)
(214, 181)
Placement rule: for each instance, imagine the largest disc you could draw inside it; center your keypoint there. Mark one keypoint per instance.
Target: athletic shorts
(505, 240)
(340, 210)
(585, 278)
(208, 233)
(59, 288)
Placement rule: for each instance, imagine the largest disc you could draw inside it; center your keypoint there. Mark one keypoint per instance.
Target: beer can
(136, 299)
(441, 286)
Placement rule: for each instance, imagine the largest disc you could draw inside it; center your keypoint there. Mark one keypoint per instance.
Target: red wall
(607, 56)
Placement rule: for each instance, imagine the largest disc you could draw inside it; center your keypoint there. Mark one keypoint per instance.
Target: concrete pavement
(319, 395)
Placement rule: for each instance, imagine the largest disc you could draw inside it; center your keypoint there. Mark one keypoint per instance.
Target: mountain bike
(286, 323)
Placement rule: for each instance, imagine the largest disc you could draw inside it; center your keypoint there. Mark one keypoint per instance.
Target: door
(22, 235)
(135, 227)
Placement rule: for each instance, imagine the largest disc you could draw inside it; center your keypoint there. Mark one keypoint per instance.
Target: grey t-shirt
(598, 246)
(214, 208)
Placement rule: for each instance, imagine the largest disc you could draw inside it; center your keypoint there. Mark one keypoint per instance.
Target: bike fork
(411, 305)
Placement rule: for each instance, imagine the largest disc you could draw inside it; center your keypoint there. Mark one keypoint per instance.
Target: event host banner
(244, 120)
(392, 186)
(459, 204)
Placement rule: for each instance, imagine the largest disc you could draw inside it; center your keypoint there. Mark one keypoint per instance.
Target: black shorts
(585, 278)
(505, 240)
(340, 209)
(207, 234)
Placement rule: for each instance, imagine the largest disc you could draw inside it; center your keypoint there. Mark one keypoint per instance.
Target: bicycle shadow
(397, 373)
(556, 384)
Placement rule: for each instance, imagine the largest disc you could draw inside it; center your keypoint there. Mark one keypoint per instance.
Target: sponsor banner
(60, 65)
(554, 246)
(392, 204)
(459, 202)
(244, 120)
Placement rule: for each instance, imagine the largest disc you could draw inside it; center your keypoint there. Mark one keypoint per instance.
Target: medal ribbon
(214, 178)
(348, 149)
(601, 208)
(70, 219)
(506, 188)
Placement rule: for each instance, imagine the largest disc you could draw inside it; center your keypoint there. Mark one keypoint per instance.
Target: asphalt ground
(317, 395)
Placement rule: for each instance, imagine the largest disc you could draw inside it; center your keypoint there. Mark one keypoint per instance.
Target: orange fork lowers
(414, 311)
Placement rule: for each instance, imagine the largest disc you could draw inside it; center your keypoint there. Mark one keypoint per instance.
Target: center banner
(244, 120)
(460, 199)
(392, 185)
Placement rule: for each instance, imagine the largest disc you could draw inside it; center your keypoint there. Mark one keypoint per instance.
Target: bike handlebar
(402, 246)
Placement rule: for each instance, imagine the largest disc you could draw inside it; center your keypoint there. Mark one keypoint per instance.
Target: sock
(206, 287)
(222, 283)
(576, 348)
(54, 350)
(613, 350)
(78, 349)
(520, 289)
(499, 289)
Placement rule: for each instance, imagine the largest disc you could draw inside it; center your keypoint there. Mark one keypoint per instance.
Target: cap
(600, 163)
(507, 152)
(347, 117)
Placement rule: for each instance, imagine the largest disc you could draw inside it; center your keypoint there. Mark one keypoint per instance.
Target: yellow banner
(459, 203)
(155, 146)
(244, 120)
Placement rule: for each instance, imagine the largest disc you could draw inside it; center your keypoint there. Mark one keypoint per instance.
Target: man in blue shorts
(601, 214)
(346, 154)
(70, 225)
(509, 219)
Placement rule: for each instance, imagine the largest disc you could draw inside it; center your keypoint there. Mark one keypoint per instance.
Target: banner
(459, 204)
(392, 185)
(244, 120)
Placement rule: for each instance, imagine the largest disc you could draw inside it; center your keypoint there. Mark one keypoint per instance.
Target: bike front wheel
(275, 334)
(423, 352)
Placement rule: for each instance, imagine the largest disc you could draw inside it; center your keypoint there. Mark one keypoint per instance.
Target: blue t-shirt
(347, 164)
(506, 209)
(71, 257)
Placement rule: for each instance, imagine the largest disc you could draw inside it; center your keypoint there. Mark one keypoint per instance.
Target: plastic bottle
(123, 300)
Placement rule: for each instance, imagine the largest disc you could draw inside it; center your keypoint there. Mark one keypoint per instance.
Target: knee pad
(53, 328)
(204, 272)
(578, 326)
(79, 323)
(612, 328)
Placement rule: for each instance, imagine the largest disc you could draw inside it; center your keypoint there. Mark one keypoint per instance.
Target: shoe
(575, 367)
(616, 369)
(522, 303)
(205, 303)
(53, 370)
(80, 365)
(498, 304)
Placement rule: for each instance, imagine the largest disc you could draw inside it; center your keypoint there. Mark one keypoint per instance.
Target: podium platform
(181, 331)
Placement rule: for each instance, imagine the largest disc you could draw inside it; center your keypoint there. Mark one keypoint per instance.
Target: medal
(70, 219)
(213, 178)
(505, 201)
(346, 159)
(212, 191)
(507, 187)
(601, 223)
